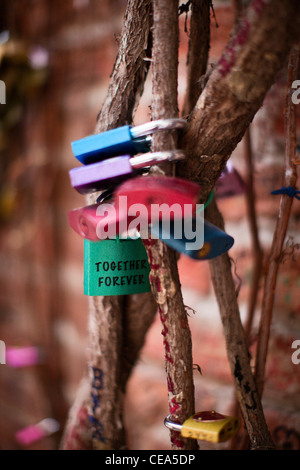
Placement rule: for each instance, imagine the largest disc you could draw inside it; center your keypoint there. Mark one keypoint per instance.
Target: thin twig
(256, 246)
(290, 179)
(257, 254)
(199, 40)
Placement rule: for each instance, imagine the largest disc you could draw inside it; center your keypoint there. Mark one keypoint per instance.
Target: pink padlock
(90, 221)
(230, 183)
(142, 198)
(23, 357)
(37, 432)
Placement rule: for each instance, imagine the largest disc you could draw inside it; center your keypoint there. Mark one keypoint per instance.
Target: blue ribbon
(291, 192)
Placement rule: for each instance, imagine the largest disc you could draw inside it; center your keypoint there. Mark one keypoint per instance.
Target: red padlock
(143, 200)
(154, 191)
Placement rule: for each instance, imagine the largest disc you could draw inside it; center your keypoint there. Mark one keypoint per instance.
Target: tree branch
(199, 41)
(114, 349)
(130, 68)
(236, 88)
(236, 345)
(256, 247)
(257, 253)
(107, 339)
(290, 179)
(234, 93)
(164, 276)
(237, 349)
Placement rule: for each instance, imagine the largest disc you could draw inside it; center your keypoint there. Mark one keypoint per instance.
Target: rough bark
(232, 96)
(164, 276)
(234, 92)
(236, 88)
(257, 254)
(108, 341)
(130, 68)
(236, 345)
(199, 39)
(115, 340)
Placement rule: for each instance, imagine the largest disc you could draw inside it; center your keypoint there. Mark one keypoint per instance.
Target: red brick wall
(41, 267)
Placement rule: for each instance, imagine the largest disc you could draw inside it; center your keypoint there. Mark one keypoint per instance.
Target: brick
(233, 208)
(282, 377)
(284, 427)
(82, 40)
(194, 274)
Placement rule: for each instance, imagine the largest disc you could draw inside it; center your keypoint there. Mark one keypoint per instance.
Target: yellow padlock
(207, 426)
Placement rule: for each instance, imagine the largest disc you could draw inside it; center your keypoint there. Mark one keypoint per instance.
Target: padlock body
(215, 241)
(23, 357)
(230, 184)
(115, 267)
(160, 190)
(101, 175)
(89, 223)
(108, 144)
(30, 434)
(215, 430)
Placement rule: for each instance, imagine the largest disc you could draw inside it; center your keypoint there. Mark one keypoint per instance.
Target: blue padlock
(125, 140)
(215, 241)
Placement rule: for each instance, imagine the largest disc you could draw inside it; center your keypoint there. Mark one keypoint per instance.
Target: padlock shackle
(157, 126)
(105, 195)
(171, 425)
(149, 159)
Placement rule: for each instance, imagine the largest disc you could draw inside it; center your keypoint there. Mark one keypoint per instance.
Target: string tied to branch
(289, 191)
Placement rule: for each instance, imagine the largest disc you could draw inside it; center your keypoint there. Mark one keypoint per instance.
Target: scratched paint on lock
(115, 267)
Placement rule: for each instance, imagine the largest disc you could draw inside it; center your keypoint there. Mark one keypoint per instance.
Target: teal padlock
(115, 267)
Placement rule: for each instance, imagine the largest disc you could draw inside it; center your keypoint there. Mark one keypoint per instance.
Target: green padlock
(115, 267)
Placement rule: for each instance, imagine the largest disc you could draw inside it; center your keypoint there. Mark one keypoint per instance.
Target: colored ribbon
(289, 191)
(211, 195)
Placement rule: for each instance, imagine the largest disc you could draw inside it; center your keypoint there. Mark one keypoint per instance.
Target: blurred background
(55, 60)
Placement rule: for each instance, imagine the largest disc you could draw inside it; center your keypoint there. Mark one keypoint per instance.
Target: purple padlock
(230, 183)
(101, 175)
(113, 171)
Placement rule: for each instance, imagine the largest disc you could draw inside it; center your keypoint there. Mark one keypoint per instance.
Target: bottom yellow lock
(206, 426)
